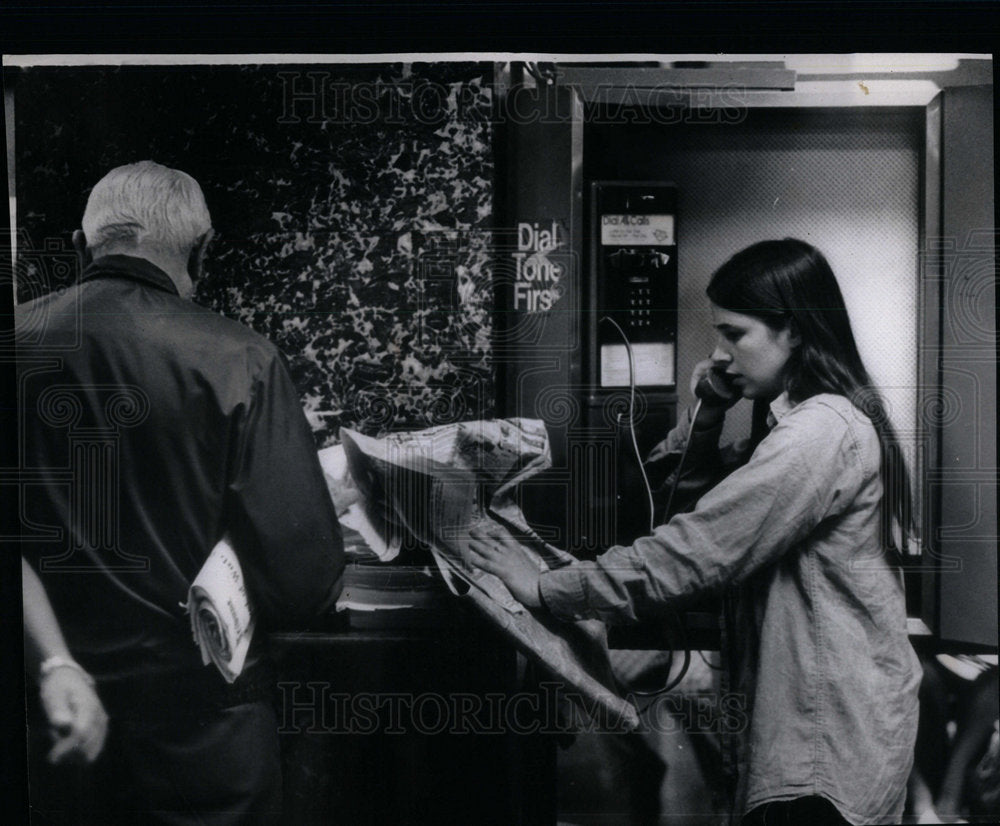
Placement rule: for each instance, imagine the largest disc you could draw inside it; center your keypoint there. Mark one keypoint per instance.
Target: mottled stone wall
(352, 206)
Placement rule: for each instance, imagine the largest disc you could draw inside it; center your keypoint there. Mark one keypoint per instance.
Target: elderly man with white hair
(152, 427)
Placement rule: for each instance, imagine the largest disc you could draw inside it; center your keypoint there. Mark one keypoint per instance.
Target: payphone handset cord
(635, 444)
(671, 684)
(680, 463)
(631, 420)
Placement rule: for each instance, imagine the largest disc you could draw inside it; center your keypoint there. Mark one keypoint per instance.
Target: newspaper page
(437, 484)
(353, 510)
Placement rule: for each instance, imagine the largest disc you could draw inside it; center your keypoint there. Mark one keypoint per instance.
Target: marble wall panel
(352, 204)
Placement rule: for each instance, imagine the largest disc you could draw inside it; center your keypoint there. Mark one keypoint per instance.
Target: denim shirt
(824, 663)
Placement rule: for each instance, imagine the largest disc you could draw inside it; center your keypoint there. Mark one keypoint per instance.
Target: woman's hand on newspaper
(497, 553)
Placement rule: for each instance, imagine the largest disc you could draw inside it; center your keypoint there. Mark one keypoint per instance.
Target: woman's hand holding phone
(716, 394)
(715, 390)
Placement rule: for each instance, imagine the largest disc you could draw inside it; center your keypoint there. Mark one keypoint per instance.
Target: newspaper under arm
(221, 616)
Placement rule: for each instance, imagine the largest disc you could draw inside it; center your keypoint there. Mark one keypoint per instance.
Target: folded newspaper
(436, 485)
(221, 616)
(351, 510)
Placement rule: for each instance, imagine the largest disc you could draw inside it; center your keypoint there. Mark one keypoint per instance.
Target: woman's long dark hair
(790, 282)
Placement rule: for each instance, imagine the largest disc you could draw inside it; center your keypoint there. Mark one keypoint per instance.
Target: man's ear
(80, 245)
(196, 258)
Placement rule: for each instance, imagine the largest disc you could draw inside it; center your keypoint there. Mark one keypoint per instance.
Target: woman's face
(753, 354)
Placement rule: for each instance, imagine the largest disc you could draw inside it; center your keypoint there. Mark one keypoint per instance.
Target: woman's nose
(720, 356)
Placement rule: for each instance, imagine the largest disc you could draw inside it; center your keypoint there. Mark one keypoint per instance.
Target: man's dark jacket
(150, 427)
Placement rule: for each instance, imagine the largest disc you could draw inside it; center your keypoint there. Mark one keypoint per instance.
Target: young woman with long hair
(803, 539)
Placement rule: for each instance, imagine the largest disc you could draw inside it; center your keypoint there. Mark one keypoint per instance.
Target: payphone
(632, 341)
(634, 286)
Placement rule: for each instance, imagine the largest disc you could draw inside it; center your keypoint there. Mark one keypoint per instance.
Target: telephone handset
(716, 387)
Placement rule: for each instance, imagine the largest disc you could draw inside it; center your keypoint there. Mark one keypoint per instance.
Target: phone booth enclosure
(898, 196)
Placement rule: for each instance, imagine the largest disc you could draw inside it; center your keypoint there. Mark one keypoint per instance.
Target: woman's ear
(792, 330)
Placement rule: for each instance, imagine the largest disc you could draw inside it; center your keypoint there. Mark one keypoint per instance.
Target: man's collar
(779, 408)
(130, 266)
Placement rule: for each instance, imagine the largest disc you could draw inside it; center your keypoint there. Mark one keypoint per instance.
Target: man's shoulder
(205, 333)
(191, 333)
(226, 329)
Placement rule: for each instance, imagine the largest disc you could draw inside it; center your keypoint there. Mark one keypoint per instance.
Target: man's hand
(77, 719)
(497, 553)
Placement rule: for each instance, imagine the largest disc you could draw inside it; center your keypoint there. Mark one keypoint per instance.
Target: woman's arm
(679, 482)
(709, 419)
(809, 468)
(76, 716)
(696, 436)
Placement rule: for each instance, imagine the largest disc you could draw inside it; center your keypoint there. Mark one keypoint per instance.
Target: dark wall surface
(352, 208)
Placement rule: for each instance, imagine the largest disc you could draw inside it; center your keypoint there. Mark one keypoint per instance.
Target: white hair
(146, 204)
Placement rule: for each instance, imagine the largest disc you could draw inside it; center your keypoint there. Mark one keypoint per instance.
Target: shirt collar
(129, 266)
(779, 408)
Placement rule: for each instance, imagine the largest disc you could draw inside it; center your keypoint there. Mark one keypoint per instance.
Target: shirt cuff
(561, 591)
